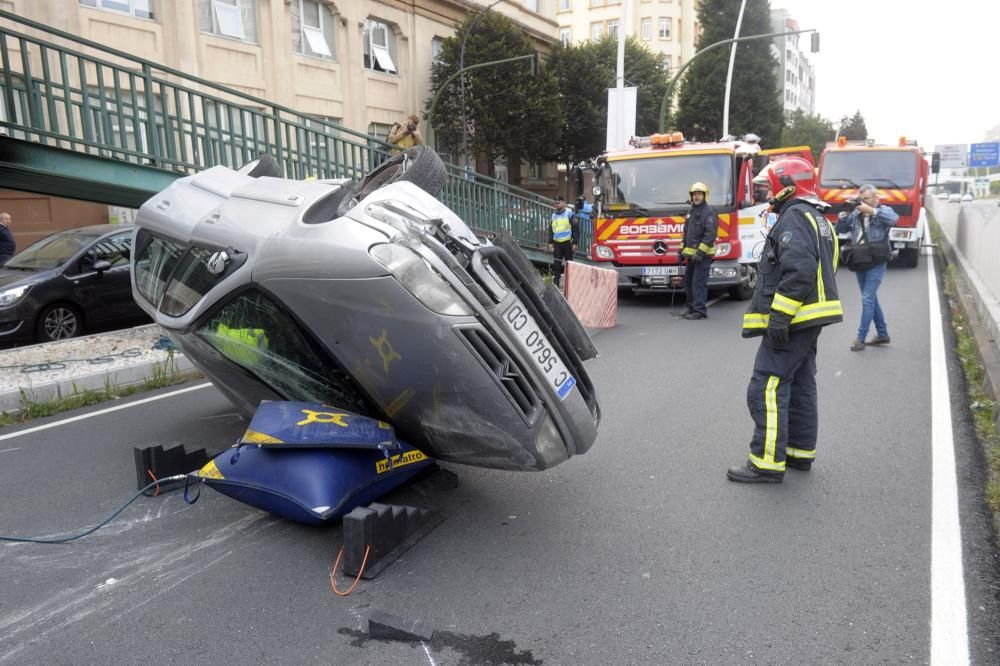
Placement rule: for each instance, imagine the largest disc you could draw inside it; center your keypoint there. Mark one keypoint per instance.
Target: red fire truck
(899, 172)
(641, 197)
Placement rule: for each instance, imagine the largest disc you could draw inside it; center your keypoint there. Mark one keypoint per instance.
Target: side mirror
(102, 265)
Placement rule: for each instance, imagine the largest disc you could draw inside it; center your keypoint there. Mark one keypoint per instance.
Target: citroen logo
(660, 247)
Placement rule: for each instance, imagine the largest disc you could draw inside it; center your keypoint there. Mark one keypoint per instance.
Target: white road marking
(72, 419)
(9, 450)
(949, 627)
(428, 653)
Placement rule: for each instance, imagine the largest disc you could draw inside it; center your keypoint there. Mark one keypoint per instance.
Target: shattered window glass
(253, 332)
(153, 266)
(191, 281)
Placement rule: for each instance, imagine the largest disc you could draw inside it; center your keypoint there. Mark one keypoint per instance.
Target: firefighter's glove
(696, 257)
(777, 329)
(680, 257)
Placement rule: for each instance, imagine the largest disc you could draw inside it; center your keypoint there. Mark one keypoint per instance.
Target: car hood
(12, 278)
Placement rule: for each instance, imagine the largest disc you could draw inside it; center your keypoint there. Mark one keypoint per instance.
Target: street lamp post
(680, 72)
(461, 68)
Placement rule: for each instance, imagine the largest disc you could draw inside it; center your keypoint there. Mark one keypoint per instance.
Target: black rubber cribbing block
(389, 531)
(166, 462)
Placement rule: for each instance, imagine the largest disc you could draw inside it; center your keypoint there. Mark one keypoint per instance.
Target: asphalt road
(640, 552)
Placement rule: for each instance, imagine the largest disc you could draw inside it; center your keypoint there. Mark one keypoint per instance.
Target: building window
(596, 3)
(536, 171)
(138, 8)
(664, 28)
(647, 29)
(437, 46)
(230, 18)
(313, 29)
(596, 31)
(666, 64)
(531, 5)
(564, 36)
(379, 130)
(380, 46)
(564, 5)
(613, 29)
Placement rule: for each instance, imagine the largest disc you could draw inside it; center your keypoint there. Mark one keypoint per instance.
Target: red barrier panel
(592, 292)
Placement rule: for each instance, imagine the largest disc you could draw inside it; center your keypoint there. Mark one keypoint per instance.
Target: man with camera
(404, 137)
(868, 224)
(795, 297)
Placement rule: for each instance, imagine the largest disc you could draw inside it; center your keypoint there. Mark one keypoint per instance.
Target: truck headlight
(13, 295)
(722, 249)
(605, 252)
(596, 190)
(417, 276)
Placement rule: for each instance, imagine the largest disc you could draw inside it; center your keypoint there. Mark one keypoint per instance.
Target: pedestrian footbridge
(82, 120)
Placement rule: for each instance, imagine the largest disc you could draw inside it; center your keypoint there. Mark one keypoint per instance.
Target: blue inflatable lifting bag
(311, 486)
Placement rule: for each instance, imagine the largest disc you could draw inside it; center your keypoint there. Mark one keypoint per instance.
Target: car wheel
(264, 165)
(59, 321)
(419, 165)
(909, 257)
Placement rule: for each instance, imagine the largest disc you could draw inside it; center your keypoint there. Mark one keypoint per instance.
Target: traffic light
(814, 42)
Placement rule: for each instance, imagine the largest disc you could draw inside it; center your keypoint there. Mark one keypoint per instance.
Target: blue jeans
(869, 282)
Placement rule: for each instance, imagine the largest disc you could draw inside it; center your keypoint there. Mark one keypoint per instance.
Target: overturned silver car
(373, 297)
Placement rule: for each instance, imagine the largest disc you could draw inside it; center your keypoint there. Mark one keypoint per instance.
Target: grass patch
(980, 404)
(164, 374)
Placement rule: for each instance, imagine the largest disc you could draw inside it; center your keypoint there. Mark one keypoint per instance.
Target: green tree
(754, 104)
(510, 113)
(585, 72)
(853, 128)
(802, 129)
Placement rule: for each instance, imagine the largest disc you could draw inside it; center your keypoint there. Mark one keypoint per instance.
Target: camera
(410, 127)
(850, 205)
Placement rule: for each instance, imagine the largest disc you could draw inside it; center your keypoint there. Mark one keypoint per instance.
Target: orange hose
(333, 572)
(153, 477)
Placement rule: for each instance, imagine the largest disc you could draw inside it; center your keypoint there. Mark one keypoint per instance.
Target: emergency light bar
(657, 140)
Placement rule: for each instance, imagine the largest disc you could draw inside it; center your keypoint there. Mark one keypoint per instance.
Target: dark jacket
(7, 244)
(700, 231)
(796, 280)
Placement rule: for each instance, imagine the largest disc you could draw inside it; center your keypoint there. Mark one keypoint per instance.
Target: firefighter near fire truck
(795, 297)
(701, 227)
(564, 236)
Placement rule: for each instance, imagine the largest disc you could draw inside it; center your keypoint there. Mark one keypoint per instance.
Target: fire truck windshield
(882, 168)
(653, 184)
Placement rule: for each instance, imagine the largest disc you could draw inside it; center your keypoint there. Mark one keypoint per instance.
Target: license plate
(544, 357)
(660, 270)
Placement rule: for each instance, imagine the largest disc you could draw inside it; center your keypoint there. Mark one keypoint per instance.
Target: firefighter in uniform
(795, 297)
(563, 239)
(700, 230)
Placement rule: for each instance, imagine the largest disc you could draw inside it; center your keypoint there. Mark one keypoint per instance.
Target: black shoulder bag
(865, 255)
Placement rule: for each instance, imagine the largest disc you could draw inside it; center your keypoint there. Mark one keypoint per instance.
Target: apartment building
(796, 76)
(667, 27)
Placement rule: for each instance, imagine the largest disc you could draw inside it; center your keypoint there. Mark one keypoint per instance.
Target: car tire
(59, 321)
(419, 165)
(264, 165)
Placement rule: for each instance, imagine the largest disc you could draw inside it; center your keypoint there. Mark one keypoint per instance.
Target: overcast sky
(926, 70)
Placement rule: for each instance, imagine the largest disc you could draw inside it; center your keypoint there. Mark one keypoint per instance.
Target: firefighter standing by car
(700, 230)
(795, 297)
(565, 234)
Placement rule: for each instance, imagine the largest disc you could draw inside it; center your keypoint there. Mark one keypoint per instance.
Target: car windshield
(654, 184)
(881, 168)
(52, 251)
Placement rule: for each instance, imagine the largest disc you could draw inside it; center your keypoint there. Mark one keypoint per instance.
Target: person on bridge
(795, 297)
(405, 136)
(7, 244)
(565, 234)
(869, 225)
(700, 231)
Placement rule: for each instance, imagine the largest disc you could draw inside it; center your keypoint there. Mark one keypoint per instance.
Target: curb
(984, 319)
(11, 401)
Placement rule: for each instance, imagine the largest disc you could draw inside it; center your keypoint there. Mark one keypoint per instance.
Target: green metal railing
(117, 106)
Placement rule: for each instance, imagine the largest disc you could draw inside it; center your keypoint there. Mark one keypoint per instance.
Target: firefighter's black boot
(746, 474)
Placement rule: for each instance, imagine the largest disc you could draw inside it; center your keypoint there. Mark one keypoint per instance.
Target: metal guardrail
(116, 105)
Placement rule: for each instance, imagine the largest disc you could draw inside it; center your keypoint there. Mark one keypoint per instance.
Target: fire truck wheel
(626, 292)
(744, 290)
(909, 257)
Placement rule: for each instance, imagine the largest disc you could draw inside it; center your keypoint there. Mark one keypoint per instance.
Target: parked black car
(65, 283)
